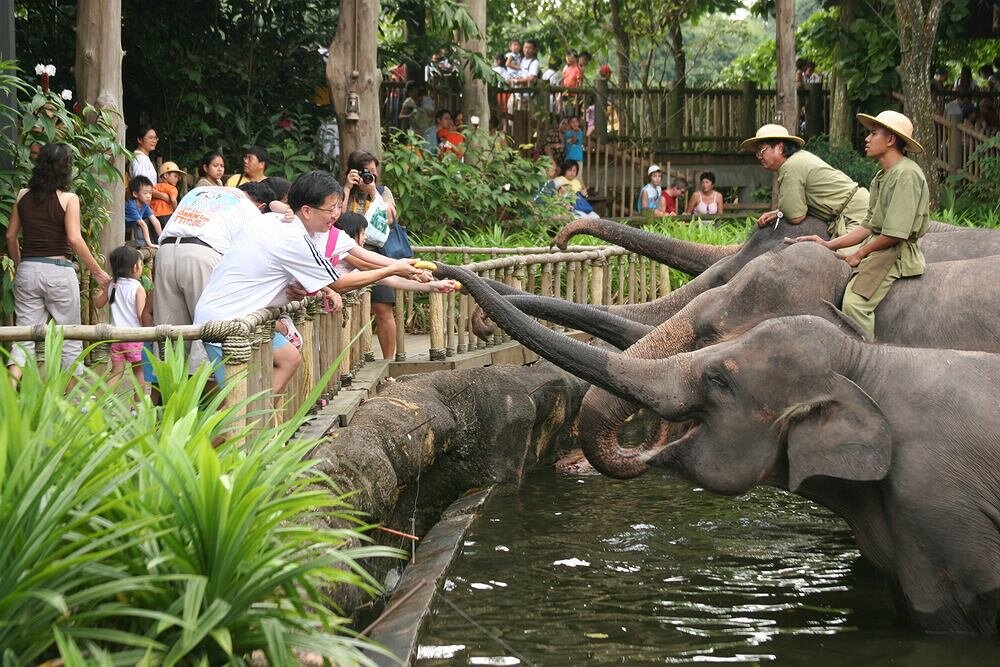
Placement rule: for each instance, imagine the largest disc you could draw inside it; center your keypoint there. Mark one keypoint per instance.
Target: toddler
(138, 214)
(127, 299)
(170, 174)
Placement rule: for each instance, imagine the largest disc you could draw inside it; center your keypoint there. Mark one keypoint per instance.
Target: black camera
(367, 177)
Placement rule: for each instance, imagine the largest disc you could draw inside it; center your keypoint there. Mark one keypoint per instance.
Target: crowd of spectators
(973, 97)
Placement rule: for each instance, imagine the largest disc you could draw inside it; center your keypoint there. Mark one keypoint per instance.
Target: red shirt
(669, 202)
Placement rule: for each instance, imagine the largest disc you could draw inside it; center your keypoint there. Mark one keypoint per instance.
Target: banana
(428, 266)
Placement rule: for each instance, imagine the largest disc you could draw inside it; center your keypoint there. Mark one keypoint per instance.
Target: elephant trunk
(618, 331)
(601, 417)
(585, 361)
(691, 258)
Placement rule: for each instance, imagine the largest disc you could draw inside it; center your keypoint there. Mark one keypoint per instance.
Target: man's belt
(187, 239)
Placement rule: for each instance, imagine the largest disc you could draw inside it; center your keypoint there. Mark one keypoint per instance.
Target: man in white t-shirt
(529, 71)
(254, 273)
(200, 231)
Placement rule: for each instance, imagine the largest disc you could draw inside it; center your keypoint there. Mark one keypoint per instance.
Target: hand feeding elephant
(855, 427)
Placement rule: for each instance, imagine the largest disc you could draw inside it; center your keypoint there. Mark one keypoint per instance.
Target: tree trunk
(475, 97)
(623, 43)
(99, 82)
(841, 120)
(675, 99)
(7, 98)
(787, 103)
(353, 67)
(917, 29)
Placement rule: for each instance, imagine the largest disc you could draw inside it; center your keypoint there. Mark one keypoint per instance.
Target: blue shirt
(133, 213)
(573, 151)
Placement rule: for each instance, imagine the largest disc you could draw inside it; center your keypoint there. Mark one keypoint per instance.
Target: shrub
(131, 538)
(495, 185)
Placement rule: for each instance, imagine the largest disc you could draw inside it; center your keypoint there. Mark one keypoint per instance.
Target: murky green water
(594, 571)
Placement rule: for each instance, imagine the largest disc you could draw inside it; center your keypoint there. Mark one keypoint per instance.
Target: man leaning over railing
(269, 256)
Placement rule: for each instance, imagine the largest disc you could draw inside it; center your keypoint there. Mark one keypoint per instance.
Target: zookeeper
(898, 216)
(806, 184)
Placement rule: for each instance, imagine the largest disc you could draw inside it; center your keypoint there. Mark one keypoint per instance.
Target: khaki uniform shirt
(808, 185)
(900, 209)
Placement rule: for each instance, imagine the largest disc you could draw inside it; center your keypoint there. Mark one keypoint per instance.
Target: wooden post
(398, 314)
(954, 143)
(463, 322)
(571, 283)
(345, 344)
(304, 323)
(367, 353)
(449, 329)
(436, 317)
(632, 259)
(664, 280)
(598, 269)
(748, 108)
(352, 73)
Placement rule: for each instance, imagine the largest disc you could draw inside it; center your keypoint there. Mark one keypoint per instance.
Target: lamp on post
(353, 110)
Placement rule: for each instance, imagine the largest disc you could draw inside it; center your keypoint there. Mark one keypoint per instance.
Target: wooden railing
(715, 119)
(597, 275)
(584, 274)
(956, 144)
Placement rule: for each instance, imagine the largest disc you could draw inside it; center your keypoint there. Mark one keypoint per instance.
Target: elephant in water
(952, 306)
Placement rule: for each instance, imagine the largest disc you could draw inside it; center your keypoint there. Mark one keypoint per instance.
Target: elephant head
(772, 406)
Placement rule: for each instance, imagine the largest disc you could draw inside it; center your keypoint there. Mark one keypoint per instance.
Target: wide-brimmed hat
(653, 168)
(896, 123)
(771, 132)
(168, 167)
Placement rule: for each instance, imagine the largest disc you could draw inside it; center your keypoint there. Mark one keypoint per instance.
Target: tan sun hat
(168, 167)
(771, 132)
(896, 123)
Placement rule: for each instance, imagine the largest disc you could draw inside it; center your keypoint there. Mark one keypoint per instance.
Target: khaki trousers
(862, 310)
(41, 291)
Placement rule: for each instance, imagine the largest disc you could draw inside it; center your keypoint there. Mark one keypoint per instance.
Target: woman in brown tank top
(47, 216)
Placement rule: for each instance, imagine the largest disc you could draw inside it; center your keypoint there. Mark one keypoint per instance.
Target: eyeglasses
(332, 210)
(760, 151)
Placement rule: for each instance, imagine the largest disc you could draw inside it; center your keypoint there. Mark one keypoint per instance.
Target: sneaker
(293, 335)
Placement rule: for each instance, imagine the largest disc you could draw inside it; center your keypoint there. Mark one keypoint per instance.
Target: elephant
(951, 306)
(901, 443)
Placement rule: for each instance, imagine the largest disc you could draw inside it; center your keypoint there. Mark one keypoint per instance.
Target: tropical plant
(128, 538)
(42, 118)
(494, 185)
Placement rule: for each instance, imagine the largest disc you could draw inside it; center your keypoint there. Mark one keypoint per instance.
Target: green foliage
(165, 536)
(42, 118)
(845, 158)
(495, 185)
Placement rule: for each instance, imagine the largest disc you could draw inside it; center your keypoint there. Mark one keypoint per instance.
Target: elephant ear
(843, 434)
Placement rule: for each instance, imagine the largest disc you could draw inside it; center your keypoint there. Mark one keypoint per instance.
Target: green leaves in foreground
(130, 539)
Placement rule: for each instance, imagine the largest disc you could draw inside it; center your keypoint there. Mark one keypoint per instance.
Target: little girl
(128, 299)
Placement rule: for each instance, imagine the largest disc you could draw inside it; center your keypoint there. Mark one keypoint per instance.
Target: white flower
(50, 70)
(506, 187)
(39, 69)
(66, 94)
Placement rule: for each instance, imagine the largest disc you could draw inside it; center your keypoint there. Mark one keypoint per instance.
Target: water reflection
(597, 571)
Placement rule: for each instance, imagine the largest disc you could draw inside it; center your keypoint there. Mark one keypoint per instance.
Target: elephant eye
(717, 380)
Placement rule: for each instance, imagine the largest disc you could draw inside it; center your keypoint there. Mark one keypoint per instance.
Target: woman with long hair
(361, 187)
(47, 217)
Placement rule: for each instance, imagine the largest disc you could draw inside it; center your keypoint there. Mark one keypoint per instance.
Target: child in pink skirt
(127, 298)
